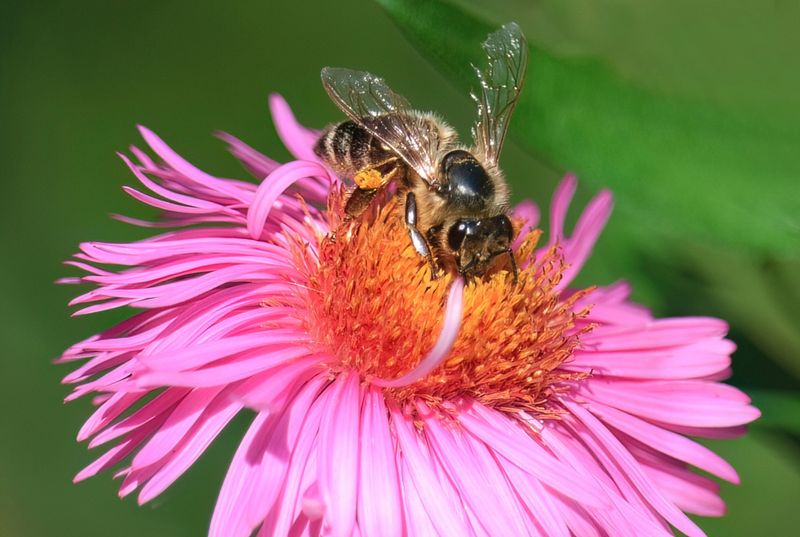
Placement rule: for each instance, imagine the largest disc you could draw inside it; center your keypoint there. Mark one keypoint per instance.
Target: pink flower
(387, 404)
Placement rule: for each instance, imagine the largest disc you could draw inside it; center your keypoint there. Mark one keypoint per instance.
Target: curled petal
(443, 346)
(298, 139)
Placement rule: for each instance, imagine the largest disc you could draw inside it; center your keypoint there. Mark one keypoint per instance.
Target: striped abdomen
(349, 148)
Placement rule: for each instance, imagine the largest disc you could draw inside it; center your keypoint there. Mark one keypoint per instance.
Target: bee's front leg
(417, 239)
(514, 269)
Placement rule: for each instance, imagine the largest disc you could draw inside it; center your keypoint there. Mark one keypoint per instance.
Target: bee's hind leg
(417, 239)
(358, 201)
(369, 182)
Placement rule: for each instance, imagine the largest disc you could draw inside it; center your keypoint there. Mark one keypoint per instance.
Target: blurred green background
(688, 110)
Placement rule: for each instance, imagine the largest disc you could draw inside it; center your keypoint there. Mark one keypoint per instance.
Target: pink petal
(695, 360)
(339, 454)
(610, 306)
(271, 189)
(214, 419)
(424, 475)
(695, 403)
(163, 404)
(117, 453)
(416, 519)
(690, 492)
(633, 471)
(297, 139)
(257, 473)
(302, 468)
(669, 443)
(257, 163)
(630, 515)
(721, 433)
(539, 501)
(204, 352)
(512, 443)
(578, 520)
(379, 487)
(528, 212)
(656, 334)
(228, 519)
(562, 198)
(188, 201)
(268, 486)
(107, 412)
(183, 167)
(473, 470)
(585, 234)
(179, 423)
(241, 367)
(269, 390)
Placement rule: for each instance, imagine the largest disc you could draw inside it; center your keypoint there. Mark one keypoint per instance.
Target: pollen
(369, 179)
(375, 309)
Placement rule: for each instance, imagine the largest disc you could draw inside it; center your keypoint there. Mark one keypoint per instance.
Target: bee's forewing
(500, 86)
(367, 100)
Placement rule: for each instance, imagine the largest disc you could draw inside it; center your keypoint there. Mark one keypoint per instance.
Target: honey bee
(456, 197)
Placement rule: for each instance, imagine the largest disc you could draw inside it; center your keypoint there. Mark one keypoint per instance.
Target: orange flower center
(375, 309)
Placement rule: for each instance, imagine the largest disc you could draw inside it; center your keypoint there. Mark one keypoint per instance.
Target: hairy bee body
(349, 148)
(456, 197)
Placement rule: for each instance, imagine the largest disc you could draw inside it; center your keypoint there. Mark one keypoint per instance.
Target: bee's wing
(500, 85)
(367, 100)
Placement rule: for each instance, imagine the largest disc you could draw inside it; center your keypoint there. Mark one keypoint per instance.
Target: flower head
(387, 403)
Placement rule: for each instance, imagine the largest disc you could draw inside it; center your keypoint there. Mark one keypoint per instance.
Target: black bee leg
(514, 269)
(358, 201)
(368, 182)
(417, 239)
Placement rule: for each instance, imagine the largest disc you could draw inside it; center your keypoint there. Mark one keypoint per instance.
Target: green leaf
(779, 410)
(679, 163)
(761, 297)
(765, 503)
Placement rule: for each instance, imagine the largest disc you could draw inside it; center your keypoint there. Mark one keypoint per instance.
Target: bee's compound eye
(458, 232)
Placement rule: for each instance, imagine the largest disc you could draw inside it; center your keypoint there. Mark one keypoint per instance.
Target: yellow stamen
(375, 308)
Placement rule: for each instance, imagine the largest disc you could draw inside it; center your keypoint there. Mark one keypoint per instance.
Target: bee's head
(476, 242)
